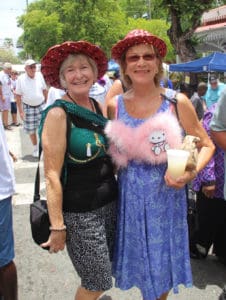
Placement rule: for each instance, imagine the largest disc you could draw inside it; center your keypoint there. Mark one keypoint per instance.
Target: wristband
(63, 228)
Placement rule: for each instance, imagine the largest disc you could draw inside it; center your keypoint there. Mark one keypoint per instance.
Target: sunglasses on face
(146, 57)
(32, 67)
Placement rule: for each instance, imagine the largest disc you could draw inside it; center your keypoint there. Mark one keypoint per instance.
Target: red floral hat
(52, 60)
(136, 37)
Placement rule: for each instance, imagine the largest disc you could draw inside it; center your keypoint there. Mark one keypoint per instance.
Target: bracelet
(58, 229)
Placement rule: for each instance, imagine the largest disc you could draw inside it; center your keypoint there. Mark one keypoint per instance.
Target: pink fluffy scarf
(145, 143)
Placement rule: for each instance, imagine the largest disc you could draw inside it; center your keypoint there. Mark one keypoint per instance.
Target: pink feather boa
(145, 143)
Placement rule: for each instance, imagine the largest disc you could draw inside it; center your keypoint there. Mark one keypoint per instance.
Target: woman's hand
(209, 191)
(181, 181)
(56, 241)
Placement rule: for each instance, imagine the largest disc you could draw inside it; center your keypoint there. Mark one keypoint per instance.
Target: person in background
(113, 75)
(152, 251)
(53, 95)
(215, 87)
(8, 272)
(5, 94)
(218, 128)
(100, 88)
(198, 101)
(211, 205)
(116, 89)
(218, 134)
(166, 82)
(31, 94)
(80, 182)
(13, 79)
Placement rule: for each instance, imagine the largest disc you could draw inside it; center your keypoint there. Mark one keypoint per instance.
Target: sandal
(15, 124)
(7, 127)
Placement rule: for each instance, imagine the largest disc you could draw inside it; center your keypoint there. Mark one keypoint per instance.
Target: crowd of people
(111, 199)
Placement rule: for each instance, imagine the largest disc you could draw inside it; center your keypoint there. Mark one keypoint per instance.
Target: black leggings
(211, 217)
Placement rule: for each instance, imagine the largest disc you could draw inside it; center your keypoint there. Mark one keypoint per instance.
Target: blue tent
(214, 62)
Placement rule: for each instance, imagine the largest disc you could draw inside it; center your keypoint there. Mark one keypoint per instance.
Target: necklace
(93, 109)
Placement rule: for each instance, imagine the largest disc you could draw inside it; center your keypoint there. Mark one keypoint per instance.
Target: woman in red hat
(152, 250)
(80, 182)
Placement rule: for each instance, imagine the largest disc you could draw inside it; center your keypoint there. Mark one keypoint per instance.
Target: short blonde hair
(126, 79)
(69, 60)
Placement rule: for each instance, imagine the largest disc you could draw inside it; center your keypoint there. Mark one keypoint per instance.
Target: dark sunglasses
(135, 58)
(32, 67)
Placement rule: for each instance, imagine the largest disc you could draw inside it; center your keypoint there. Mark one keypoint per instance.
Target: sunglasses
(32, 67)
(146, 57)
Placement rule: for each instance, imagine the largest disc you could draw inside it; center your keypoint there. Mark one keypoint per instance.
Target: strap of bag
(174, 101)
(37, 179)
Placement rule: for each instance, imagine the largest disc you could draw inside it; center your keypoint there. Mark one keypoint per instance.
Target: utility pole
(149, 9)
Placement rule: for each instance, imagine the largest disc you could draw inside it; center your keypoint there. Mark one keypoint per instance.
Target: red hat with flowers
(52, 60)
(136, 37)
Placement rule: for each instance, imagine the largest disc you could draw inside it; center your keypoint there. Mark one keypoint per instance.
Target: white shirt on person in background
(13, 88)
(31, 89)
(218, 123)
(6, 84)
(53, 95)
(7, 178)
(99, 91)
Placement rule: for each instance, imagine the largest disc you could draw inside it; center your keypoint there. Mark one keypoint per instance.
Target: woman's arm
(54, 142)
(192, 126)
(115, 89)
(218, 122)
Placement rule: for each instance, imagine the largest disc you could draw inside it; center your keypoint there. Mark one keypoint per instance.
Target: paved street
(51, 276)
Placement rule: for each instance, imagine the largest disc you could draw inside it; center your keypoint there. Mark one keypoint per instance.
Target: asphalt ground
(43, 276)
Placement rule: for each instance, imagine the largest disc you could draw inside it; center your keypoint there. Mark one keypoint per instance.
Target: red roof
(211, 27)
(217, 14)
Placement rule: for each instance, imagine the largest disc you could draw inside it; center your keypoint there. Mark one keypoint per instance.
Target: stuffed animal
(190, 144)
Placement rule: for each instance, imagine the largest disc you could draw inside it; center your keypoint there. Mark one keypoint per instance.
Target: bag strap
(36, 196)
(174, 101)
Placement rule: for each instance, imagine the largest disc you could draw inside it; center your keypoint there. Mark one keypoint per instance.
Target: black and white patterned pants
(90, 238)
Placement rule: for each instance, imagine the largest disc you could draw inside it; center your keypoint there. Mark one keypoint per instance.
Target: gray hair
(69, 60)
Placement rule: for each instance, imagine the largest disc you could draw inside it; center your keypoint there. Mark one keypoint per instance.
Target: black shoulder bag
(39, 217)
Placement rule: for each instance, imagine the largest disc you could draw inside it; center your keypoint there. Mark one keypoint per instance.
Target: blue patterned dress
(152, 250)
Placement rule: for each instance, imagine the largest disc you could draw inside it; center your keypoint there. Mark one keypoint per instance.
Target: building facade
(212, 32)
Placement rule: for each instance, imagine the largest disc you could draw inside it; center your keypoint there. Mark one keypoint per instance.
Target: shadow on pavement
(29, 158)
(202, 276)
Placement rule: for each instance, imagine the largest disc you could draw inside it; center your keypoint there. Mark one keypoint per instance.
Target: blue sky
(9, 10)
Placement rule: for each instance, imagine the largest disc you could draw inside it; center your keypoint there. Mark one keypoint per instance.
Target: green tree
(157, 27)
(8, 42)
(185, 17)
(143, 9)
(7, 55)
(134, 8)
(49, 22)
(40, 31)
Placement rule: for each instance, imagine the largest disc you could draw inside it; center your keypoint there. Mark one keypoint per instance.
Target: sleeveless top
(87, 177)
(147, 142)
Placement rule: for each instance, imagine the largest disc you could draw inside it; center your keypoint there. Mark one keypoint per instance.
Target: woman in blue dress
(152, 250)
